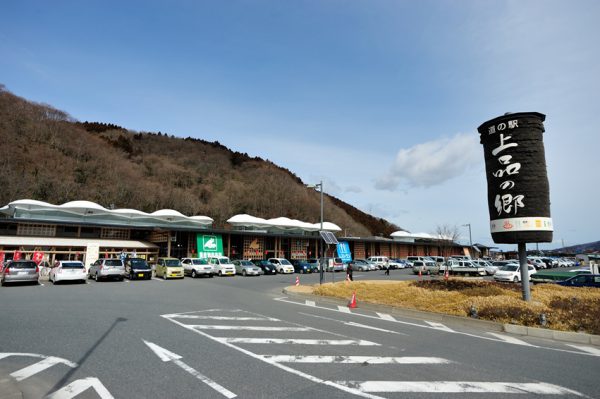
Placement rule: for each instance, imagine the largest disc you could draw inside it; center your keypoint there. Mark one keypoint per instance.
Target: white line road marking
(292, 341)
(439, 326)
(355, 359)
(344, 309)
(281, 366)
(509, 339)
(385, 316)
(248, 328)
(458, 387)
(77, 387)
(189, 316)
(588, 349)
(310, 303)
(42, 365)
(157, 279)
(433, 328)
(351, 323)
(166, 356)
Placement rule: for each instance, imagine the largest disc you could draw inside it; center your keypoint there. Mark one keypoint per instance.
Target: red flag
(17, 255)
(38, 257)
(1, 258)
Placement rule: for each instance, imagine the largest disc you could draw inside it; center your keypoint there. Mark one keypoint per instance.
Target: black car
(301, 266)
(137, 268)
(266, 266)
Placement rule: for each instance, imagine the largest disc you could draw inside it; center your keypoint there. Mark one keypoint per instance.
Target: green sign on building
(209, 245)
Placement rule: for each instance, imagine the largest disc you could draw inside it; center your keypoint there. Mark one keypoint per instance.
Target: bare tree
(447, 236)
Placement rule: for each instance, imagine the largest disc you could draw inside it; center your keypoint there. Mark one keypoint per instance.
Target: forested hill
(48, 156)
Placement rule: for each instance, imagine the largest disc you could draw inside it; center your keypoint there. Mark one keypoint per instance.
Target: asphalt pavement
(241, 337)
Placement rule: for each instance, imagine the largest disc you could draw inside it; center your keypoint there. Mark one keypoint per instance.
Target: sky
(380, 100)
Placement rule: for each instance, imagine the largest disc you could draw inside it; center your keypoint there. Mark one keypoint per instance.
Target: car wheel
(220, 273)
(164, 276)
(194, 274)
(96, 277)
(131, 275)
(515, 279)
(244, 273)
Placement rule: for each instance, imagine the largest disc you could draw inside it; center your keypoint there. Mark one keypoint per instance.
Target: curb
(565, 336)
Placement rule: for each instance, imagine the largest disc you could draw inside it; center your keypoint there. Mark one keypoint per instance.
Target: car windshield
(246, 263)
(113, 262)
(199, 262)
(224, 261)
(285, 262)
(72, 265)
(510, 268)
(22, 265)
(172, 263)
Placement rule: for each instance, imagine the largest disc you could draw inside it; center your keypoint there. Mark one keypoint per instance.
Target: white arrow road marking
(42, 365)
(344, 309)
(458, 387)
(353, 324)
(509, 339)
(285, 341)
(385, 316)
(588, 349)
(78, 386)
(167, 356)
(439, 326)
(310, 303)
(355, 359)
(247, 328)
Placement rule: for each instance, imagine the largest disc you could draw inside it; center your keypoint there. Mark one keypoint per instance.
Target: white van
(222, 265)
(382, 262)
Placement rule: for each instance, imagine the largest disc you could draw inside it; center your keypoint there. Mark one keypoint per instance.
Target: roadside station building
(85, 231)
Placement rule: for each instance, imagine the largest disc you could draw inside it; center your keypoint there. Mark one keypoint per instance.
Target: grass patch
(566, 308)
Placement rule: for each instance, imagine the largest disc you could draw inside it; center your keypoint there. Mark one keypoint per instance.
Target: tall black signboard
(518, 189)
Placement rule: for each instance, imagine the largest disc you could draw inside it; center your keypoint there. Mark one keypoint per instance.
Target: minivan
(382, 262)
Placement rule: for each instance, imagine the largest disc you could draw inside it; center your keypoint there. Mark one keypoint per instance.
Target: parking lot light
(320, 186)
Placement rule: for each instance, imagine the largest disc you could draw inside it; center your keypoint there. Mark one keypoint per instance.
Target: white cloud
(433, 162)
(354, 189)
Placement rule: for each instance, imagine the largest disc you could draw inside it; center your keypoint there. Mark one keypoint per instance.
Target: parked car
(169, 268)
(332, 264)
(582, 280)
(301, 266)
(394, 264)
(19, 271)
(512, 273)
(246, 268)
(282, 265)
(67, 270)
(195, 267)
(381, 261)
(490, 269)
(136, 268)
(361, 265)
(222, 265)
(400, 263)
(107, 268)
(466, 267)
(266, 266)
(425, 267)
(314, 264)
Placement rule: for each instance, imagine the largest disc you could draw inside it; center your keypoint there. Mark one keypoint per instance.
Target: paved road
(240, 337)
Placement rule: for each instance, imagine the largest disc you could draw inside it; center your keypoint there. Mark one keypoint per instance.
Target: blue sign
(343, 250)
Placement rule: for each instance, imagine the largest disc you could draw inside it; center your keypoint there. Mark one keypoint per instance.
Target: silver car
(246, 268)
(104, 268)
(19, 271)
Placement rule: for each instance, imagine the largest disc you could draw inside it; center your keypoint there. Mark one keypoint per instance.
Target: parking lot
(224, 336)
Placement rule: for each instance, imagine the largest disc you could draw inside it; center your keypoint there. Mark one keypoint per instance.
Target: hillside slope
(49, 156)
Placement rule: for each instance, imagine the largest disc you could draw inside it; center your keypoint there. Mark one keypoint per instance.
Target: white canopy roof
(93, 212)
(280, 223)
(407, 235)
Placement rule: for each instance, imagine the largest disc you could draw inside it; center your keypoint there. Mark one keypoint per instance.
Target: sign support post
(524, 271)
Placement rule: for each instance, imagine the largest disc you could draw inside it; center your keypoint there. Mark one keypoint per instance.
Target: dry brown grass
(566, 309)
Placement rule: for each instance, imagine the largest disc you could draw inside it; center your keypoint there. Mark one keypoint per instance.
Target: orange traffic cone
(297, 281)
(352, 303)
(446, 275)
(420, 275)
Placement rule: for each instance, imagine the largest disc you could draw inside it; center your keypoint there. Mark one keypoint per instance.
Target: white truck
(462, 266)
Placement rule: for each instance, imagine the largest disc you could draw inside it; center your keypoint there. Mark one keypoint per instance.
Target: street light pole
(320, 186)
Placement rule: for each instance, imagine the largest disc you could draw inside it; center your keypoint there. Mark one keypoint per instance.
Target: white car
(68, 270)
(512, 273)
(282, 265)
(489, 268)
(222, 265)
(197, 267)
(382, 262)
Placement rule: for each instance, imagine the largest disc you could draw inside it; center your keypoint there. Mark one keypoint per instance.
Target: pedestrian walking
(349, 272)
(387, 269)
